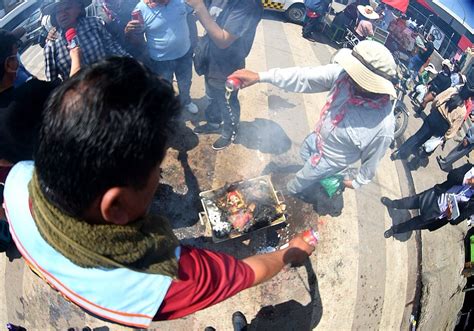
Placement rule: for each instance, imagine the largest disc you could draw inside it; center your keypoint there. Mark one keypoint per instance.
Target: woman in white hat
(438, 84)
(356, 123)
(421, 89)
(365, 28)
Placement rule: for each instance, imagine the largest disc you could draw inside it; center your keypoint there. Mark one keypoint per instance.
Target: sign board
(438, 36)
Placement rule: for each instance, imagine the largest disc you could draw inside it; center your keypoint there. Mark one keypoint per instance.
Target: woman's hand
(134, 26)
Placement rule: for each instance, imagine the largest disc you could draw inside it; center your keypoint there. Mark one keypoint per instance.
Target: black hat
(49, 6)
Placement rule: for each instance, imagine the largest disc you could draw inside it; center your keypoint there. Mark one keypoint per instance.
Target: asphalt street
(356, 279)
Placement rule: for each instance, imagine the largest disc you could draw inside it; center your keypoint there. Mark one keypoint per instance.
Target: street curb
(408, 188)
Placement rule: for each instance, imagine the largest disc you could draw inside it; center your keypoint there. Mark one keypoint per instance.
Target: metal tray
(207, 195)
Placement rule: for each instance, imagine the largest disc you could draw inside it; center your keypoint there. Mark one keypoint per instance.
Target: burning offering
(242, 207)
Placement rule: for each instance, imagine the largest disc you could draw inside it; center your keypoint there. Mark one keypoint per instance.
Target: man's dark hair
(105, 127)
(7, 41)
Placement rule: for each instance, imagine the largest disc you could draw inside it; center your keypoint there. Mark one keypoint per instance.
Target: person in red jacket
(84, 203)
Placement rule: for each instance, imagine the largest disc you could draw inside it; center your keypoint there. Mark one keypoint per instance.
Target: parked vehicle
(27, 18)
(294, 10)
(33, 29)
(18, 15)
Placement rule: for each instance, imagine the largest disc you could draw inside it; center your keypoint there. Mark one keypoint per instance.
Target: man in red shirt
(84, 204)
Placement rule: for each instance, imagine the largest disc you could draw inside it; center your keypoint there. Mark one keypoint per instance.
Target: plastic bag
(431, 144)
(332, 184)
(421, 90)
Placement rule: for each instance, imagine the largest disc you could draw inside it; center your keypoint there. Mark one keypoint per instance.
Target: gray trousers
(310, 174)
(458, 152)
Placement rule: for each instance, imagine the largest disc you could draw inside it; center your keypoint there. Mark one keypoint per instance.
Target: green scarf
(146, 245)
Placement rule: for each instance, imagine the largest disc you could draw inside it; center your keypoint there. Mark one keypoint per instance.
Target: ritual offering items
(241, 208)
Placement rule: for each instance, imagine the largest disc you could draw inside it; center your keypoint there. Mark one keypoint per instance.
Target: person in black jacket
(21, 108)
(440, 83)
(435, 210)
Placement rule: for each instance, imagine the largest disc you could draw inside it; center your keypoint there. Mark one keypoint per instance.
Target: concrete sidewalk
(442, 251)
(355, 280)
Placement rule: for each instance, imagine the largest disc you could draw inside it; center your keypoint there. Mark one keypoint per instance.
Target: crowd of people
(97, 131)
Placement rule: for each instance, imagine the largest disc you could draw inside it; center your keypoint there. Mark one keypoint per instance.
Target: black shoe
(207, 128)
(389, 233)
(309, 36)
(387, 202)
(221, 143)
(441, 163)
(239, 322)
(394, 156)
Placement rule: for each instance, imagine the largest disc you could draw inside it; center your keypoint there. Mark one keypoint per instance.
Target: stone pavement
(355, 280)
(442, 251)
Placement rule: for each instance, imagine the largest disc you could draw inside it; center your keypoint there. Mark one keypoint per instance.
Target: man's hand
(465, 142)
(134, 26)
(449, 211)
(265, 266)
(53, 34)
(298, 250)
(75, 52)
(247, 77)
(196, 4)
(348, 183)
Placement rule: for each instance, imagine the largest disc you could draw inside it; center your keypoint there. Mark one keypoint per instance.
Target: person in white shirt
(357, 122)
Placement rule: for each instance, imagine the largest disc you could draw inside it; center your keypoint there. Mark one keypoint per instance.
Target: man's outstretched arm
(295, 79)
(206, 278)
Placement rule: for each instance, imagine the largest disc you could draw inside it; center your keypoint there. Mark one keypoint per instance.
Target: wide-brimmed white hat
(447, 63)
(371, 65)
(431, 68)
(368, 12)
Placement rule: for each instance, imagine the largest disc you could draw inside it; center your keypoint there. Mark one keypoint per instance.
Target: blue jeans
(218, 110)
(414, 65)
(434, 125)
(310, 174)
(182, 68)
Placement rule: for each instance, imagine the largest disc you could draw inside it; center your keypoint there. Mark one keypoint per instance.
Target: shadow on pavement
(182, 138)
(322, 203)
(177, 197)
(417, 162)
(399, 216)
(274, 16)
(264, 135)
(292, 315)
(12, 252)
(180, 207)
(276, 102)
